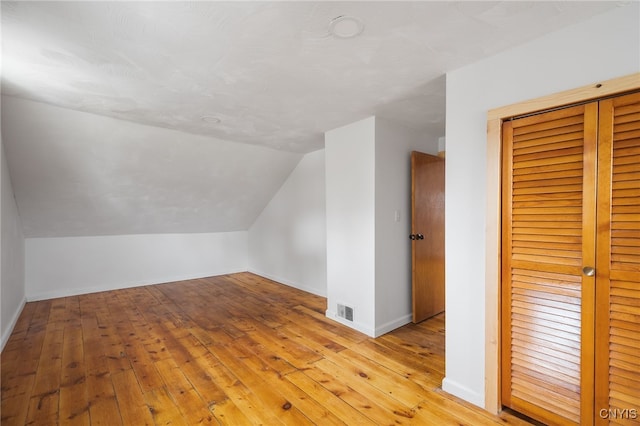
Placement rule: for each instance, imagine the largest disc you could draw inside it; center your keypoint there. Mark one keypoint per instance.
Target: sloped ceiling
(135, 117)
(79, 174)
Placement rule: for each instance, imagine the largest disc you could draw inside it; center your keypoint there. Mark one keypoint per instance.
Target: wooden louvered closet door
(549, 185)
(618, 262)
(571, 200)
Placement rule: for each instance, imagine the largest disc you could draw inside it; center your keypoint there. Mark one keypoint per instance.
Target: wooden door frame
(495, 117)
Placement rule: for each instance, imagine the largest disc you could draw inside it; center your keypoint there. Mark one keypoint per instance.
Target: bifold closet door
(549, 226)
(618, 263)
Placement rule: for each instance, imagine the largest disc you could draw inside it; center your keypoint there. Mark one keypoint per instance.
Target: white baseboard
(392, 325)
(463, 392)
(288, 282)
(12, 324)
(362, 328)
(66, 292)
(369, 331)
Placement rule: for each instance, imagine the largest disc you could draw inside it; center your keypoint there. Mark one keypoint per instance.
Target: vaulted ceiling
(138, 117)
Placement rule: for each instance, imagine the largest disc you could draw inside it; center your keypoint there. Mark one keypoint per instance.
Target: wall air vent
(345, 312)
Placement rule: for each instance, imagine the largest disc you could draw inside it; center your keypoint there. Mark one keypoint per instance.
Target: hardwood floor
(234, 349)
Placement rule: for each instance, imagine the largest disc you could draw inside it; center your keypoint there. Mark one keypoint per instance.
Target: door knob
(412, 236)
(419, 237)
(588, 271)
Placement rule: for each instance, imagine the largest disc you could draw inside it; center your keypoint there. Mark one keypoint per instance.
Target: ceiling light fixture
(346, 26)
(211, 119)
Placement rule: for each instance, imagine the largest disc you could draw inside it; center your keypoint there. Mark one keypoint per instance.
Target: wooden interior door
(618, 263)
(549, 190)
(427, 235)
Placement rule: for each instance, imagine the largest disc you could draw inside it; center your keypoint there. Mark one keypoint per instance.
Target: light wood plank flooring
(235, 349)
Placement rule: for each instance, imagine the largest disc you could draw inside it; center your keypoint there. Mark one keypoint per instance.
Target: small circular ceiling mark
(211, 119)
(346, 27)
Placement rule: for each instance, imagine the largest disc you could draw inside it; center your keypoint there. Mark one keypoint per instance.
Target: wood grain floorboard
(235, 349)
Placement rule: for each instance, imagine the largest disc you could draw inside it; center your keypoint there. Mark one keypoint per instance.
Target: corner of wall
(462, 392)
(12, 254)
(358, 326)
(8, 329)
(290, 283)
(392, 325)
(288, 238)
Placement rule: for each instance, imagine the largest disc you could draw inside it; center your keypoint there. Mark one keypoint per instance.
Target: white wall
(12, 283)
(394, 144)
(288, 241)
(368, 251)
(350, 197)
(57, 267)
(604, 47)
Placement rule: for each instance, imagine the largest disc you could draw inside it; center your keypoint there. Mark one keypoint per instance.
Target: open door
(427, 235)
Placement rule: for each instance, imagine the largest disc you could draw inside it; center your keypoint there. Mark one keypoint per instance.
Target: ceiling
(263, 73)
(175, 117)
